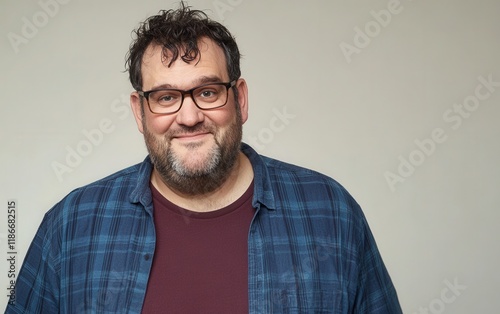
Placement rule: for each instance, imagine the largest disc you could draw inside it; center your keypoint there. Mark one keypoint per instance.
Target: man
(204, 224)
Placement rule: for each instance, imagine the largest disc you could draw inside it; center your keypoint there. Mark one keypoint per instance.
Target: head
(193, 150)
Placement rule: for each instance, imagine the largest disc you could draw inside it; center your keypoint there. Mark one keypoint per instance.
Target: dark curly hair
(178, 32)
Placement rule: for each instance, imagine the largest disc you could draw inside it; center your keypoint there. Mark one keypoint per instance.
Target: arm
(375, 293)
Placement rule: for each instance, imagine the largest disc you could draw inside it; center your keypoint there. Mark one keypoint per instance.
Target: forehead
(156, 72)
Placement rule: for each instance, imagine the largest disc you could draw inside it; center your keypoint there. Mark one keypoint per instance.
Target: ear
(135, 103)
(242, 87)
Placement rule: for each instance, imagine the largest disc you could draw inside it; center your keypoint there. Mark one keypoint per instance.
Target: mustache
(185, 130)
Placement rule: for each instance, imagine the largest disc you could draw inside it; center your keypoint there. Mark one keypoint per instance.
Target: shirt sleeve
(37, 286)
(375, 293)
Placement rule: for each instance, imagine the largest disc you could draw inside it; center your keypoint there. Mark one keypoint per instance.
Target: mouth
(189, 137)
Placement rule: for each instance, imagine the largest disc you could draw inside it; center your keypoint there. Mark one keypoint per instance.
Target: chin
(196, 163)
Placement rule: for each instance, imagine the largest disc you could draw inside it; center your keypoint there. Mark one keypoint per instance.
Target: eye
(207, 93)
(166, 98)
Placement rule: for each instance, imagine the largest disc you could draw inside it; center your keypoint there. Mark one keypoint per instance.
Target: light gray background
(354, 118)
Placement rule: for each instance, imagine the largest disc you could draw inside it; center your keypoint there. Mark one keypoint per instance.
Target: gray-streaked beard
(203, 179)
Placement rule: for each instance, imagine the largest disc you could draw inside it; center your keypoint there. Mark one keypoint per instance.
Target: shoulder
(280, 170)
(295, 190)
(306, 183)
(284, 173)
(121, 181)
(110, 191)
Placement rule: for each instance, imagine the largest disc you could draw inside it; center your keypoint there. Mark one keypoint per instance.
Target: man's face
(193, 150)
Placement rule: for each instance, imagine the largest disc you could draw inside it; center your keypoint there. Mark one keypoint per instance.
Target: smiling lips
(191, 136)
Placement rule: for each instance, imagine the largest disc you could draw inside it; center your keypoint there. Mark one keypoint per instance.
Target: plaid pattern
(310, 248)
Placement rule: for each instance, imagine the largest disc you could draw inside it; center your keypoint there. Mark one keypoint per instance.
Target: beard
(197, 173)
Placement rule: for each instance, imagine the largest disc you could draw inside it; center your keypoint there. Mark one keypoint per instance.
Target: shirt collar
(263, 192)
(141, 192)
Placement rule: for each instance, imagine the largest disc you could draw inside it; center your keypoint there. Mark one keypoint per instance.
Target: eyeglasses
(205, 97)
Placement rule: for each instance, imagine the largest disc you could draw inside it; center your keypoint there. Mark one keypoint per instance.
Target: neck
(230, 190)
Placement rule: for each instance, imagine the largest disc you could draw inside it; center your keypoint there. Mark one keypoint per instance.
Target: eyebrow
(199, 81)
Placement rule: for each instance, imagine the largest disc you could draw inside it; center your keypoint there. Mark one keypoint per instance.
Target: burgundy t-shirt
(201, 259)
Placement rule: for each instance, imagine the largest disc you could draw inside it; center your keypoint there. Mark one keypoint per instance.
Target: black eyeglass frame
(189, 92)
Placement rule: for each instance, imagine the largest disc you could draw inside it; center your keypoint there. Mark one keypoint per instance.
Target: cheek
(222, 124)
(225, 118)
(158, 124)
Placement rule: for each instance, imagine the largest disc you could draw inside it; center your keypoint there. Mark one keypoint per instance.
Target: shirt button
(147, 257)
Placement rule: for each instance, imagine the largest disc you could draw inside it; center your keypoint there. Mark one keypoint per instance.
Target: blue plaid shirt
(309, 246)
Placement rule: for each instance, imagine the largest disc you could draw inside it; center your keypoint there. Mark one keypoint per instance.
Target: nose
(189, 114)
